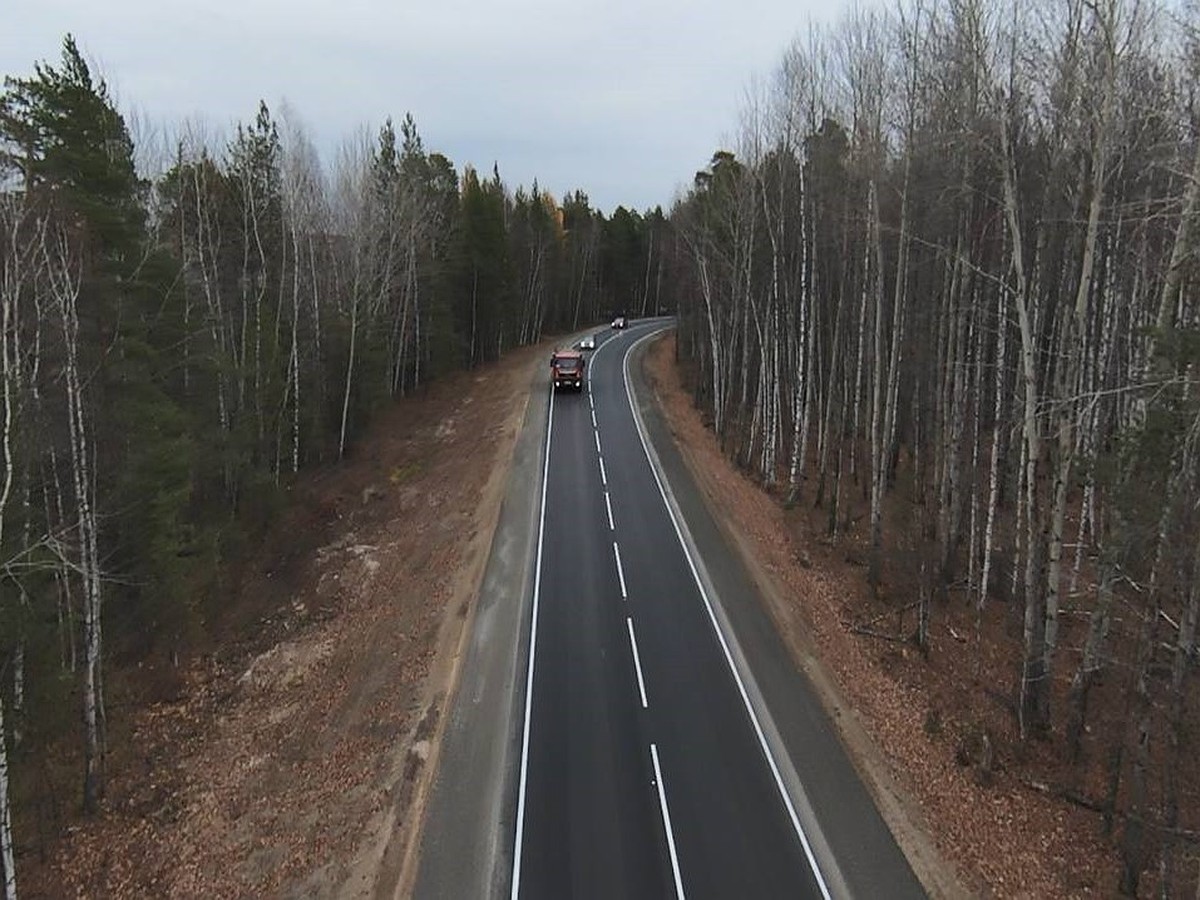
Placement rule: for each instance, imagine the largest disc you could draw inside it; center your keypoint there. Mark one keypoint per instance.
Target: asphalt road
(660, 740)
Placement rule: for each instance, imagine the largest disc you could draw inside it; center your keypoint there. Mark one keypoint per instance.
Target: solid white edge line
(608, 506)
(662, 802)
(603, 476)
(537, 585)
(762, 739)
(637, 663)
(620, 571)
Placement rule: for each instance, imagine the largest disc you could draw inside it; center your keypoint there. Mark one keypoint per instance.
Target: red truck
(567, 369)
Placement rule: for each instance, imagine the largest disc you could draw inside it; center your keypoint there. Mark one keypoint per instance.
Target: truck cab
(567, 369)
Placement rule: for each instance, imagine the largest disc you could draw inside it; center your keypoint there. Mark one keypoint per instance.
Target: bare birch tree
(13, 257)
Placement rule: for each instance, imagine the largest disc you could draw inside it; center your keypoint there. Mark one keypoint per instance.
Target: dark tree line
(177, 344)
(953, 267)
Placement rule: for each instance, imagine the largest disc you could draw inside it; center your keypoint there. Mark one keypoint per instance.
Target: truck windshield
(566, 364)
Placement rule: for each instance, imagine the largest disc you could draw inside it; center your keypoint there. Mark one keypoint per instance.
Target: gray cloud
(622, 99)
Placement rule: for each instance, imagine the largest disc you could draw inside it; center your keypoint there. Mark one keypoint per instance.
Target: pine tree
(129, 465)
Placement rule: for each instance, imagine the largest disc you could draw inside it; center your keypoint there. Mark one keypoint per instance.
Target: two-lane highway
(629, 723)
(644, 769)
(586, 817)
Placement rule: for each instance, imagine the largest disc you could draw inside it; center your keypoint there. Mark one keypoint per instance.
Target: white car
(619, 322)
(588, 343)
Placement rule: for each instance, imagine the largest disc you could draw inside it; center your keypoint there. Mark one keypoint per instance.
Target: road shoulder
(465, 847)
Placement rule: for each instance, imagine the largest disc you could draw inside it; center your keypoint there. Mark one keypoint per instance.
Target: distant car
(619, 322)
(588, 343)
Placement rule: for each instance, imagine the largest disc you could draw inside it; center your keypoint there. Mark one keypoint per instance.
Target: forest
(948, 274)
(181, 339)
(940, 289)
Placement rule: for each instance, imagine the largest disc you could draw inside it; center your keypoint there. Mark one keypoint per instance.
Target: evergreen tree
(484, 282)
(131, 462)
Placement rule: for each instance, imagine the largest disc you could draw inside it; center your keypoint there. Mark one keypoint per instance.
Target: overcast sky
(624, 99)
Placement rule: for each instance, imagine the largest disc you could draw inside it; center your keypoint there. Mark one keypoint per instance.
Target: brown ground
(295, 761)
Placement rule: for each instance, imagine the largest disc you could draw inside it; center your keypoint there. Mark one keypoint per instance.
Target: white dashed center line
(637, 663)
(662, 802)
(620, 571)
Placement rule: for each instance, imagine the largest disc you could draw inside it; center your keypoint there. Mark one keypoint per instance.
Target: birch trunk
(994, 466)
(882, 443)
(1034, 691)
(1181, 251)
(876, 241)
(865, 291)
(1071, 333)
(8, 864)
(718, 379)
(10, 289)
(975, 341)
(66, 274)
(354, 304)
(295, 351)
(949, 520)
(799, 404)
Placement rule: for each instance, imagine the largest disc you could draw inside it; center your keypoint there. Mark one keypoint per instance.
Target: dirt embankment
(294, 761)
(917, 726)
